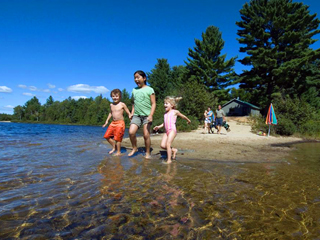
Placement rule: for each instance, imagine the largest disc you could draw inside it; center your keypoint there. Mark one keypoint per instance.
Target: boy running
(117, 127)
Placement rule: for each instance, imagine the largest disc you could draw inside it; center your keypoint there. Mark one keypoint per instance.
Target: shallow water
(59, 182)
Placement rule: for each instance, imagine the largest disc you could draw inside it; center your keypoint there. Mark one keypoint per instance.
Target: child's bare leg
(118, 149)
(174, 153)
(112, 143)
(132, 134)
(163, 144)
(170, 139)
(147, 140)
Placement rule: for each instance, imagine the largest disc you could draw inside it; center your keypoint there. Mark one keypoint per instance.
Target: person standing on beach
(205, 119)
(144, 105)
(210, 118)
(117, 127)
(220, 117)
(170, 118)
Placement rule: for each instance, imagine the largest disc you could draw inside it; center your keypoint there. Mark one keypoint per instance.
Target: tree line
(275, 36)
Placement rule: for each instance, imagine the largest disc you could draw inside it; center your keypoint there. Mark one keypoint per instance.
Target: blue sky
(83, 48)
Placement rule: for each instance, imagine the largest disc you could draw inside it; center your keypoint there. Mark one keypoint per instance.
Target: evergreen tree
(159, 78)
(196, 99)
(18, 112)
(277, 35)
(49, 101)
(178, 74)
(240, 93)
(32, 109)
(126, 98)
(207, 66)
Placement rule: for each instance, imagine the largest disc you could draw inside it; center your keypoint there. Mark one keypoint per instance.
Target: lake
(59, 182)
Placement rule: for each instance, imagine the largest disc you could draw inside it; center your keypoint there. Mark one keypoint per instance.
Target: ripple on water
(75, 190)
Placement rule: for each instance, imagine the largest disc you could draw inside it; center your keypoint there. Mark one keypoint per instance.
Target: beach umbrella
(271, 118)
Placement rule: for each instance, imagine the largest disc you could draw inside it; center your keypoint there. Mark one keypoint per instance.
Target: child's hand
(149, 118)
(156, 128)
(104, 125)
(130, 116)
(188, 121)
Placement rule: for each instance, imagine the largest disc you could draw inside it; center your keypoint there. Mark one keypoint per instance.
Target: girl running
(170, 117)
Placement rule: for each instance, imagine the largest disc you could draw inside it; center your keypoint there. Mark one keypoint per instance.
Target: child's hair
(141, 73)
(116, 91)
(173, 100)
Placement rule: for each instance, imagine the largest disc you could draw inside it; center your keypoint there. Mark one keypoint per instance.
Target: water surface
(58, 182)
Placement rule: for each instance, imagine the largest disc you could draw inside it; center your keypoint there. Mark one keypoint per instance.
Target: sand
(239, 145)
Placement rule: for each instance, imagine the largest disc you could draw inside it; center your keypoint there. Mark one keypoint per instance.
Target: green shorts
(139, 120)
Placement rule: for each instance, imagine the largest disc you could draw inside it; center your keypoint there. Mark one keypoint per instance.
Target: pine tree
(159, 78)
(277, 35)
(207, 66)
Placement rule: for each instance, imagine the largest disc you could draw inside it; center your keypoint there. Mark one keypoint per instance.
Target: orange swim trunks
(116, 130)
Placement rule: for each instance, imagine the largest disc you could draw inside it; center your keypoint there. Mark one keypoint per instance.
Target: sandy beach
(239, 145)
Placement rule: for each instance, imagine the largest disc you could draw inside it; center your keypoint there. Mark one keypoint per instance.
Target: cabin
(236, 107)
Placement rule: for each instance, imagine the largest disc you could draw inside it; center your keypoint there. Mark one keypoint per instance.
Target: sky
(84, 48)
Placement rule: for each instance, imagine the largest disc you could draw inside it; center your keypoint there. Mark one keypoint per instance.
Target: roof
(243, 102)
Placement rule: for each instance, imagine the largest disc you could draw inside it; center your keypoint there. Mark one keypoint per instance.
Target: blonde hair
(173, 100)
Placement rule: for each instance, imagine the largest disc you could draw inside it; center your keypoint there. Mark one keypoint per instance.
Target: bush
(285, 127)
(311, 128)
(258, 123)
(183, 126)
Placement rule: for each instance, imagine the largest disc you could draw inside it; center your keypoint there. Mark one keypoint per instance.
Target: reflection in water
(80, 191)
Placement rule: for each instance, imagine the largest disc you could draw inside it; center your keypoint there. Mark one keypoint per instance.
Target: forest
(276, 37)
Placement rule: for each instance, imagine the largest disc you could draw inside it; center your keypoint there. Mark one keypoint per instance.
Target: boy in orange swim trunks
(117, 127)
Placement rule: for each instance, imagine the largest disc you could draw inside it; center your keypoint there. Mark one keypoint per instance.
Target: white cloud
(22, 86)
(46, 90)
(28, 94)
(5, 89)
(51, 85)
(85, 88)
(78, 97)
(33, 88)
(9, 106)
(60, 89)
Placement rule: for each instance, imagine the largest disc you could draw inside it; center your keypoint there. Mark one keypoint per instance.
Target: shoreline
(238, 145)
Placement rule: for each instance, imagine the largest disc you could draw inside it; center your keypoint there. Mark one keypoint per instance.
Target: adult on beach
(220, 117)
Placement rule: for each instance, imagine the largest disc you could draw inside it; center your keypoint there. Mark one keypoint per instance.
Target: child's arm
(153, 107)
(127, 110)
(156, 128)
(106, 123)
(182, 116)
(132, 110)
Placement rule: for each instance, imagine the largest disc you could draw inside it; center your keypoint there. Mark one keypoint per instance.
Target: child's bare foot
(147, 156)
(134, 150)
(112, 151)
(174, 152)
(117, 154)
(168, 162)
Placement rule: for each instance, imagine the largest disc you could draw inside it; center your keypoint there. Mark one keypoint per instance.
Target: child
(210, 117)
(205, 119)
(117, 127)
(170, 117)
(144, 105)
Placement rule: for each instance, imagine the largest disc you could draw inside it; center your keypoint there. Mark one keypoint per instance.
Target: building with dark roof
(236, 107)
